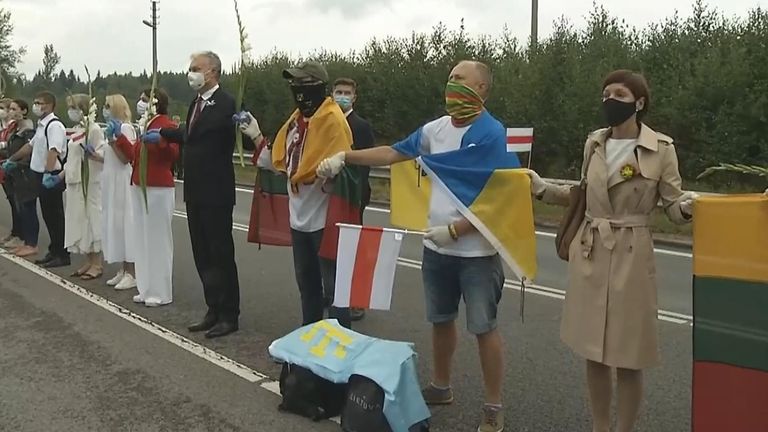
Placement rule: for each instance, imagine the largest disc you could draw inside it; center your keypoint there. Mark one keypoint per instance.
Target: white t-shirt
(441, 136)
(308, 204)
(617, 151)
(57, 139)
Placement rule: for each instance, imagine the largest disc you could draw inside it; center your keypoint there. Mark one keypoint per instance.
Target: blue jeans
(312, 273)
(479, 281)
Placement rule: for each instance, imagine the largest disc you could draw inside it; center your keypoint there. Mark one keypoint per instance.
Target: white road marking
(204, 353)
(673, 317)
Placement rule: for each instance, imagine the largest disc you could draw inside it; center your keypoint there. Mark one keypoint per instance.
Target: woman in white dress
(117, 221)
(153, 212)
(82, 211)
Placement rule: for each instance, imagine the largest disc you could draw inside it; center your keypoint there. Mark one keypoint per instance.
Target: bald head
(475, 75)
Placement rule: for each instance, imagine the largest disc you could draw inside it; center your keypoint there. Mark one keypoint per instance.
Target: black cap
(309, 69)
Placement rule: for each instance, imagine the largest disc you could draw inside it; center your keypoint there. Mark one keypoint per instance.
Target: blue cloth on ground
(336, 353)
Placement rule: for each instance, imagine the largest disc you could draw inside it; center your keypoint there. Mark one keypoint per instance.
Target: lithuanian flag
(730, 309)
(327, 134)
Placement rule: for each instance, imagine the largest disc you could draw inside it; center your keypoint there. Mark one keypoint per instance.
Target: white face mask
(141, 107)
(3, 114)
(107, 114)
(75, 115)
(196, 80)
(37, 110)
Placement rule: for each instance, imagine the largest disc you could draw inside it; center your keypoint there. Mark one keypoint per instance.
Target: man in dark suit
(345, 94)
(209, 193)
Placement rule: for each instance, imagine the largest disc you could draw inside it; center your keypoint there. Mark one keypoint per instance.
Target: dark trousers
(16, 230)
(312, 274)
(30, 226)
(52, 208)
(210, 229)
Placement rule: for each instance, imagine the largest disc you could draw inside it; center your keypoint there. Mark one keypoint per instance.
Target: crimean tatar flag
(365, 266)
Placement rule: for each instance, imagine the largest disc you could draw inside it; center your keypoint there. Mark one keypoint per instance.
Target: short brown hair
(635, 82)
(23, 106)
(47, 97)
(345, 81)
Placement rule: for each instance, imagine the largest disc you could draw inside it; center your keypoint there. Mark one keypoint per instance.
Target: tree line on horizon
(708, 75)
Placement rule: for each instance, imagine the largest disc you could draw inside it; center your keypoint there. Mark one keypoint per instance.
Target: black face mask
(617, 112)
(308, 97)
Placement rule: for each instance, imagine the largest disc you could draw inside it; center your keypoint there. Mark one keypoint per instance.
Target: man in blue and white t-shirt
(458, 261)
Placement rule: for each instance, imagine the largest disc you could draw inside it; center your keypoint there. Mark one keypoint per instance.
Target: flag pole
(391, 230)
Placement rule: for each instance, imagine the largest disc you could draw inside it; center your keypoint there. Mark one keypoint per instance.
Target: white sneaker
(116, 280)
(137, 299)
(127, 282)
(155, 303)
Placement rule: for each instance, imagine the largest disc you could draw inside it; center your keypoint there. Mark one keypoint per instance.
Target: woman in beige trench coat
(610, 310)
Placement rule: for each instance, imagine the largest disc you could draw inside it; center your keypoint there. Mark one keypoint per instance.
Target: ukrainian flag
(486, 184)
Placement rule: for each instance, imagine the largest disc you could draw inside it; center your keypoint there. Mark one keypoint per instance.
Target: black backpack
(364, 408)
(63, 160)
(309, 395)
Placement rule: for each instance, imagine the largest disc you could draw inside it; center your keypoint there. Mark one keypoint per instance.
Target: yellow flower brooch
(627, 172)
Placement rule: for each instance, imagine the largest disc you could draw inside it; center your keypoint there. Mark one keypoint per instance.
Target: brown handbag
(574, 214)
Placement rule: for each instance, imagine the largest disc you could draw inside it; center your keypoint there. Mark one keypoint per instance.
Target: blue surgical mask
(345, 102)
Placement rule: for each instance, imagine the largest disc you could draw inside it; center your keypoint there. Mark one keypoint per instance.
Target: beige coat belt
(605, 227)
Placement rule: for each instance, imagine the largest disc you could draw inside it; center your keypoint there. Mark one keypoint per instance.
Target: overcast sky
(108, 35)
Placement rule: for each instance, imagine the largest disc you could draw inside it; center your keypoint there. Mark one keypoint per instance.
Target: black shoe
(223, 328)
(356, 314)
(58, 262)
(206, 324)
(48, 257)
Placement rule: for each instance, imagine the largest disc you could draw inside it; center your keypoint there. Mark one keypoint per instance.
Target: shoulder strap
(62, 161)
(587, 160)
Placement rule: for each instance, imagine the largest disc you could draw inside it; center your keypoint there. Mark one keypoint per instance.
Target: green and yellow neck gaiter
(462, 103)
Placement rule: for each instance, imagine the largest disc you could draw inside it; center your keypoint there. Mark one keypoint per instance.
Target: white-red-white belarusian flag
(365, 266)
(519, 140)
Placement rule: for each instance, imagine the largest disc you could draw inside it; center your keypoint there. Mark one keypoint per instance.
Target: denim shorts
(478, 280)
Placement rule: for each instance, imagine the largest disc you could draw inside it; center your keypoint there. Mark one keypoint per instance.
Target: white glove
(250, 127)
(331, 167)
(686, 202)
(440, 236)
(538, 186)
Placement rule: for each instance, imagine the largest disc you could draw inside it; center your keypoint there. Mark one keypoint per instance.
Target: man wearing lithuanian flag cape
(462, 152)
(316, 130)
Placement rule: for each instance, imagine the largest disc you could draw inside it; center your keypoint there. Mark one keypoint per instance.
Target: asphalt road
(68, 364)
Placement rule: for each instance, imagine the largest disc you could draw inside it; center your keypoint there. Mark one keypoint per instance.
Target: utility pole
(153, 25)
(534, 22)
